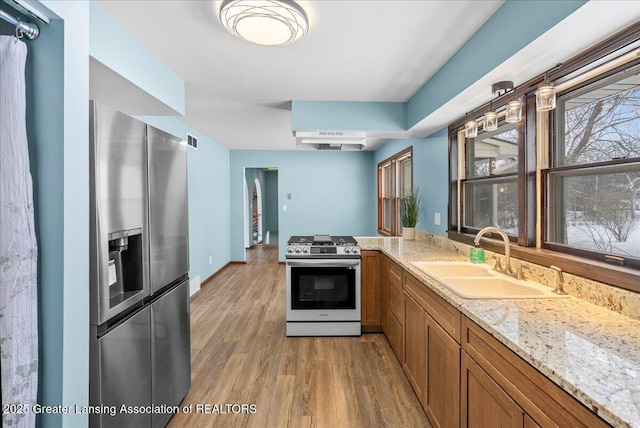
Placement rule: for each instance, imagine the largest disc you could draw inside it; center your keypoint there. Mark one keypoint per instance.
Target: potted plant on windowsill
(409, 209)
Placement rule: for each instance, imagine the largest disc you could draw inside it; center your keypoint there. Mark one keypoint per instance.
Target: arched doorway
(256, 215)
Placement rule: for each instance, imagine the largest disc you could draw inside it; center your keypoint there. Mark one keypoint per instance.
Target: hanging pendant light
(471, 128)
(491, 117)
(265, 22)
(546, 93)
(514, 111)
(490, 121)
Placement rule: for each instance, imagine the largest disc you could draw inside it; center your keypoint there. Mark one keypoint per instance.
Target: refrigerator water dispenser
(125, 266)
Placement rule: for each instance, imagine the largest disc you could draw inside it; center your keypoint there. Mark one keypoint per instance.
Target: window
(490, 186)
(565, 184)
(395, 179)
(594, 181)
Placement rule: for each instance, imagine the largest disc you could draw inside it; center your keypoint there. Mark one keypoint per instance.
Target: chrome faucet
(507, 249)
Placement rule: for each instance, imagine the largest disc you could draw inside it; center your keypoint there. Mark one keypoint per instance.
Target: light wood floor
(240, 355)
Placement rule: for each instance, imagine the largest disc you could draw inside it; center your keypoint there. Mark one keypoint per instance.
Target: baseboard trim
(213, 275)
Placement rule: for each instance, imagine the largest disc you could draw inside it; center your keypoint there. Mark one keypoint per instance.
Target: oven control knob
(305, 250)
(355, 250)
(290, 250)
(347, 250)
(298, 250)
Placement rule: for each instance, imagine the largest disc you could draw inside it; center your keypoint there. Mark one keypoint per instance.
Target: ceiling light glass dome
(265, 22)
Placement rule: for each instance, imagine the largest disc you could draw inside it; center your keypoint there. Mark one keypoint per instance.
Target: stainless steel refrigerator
(139, 291)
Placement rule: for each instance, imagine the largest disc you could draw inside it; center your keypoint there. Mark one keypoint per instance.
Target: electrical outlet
(284, 208)
(210, 260)
(436, 219)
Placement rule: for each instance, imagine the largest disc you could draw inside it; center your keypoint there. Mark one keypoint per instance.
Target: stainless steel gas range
(323, 286)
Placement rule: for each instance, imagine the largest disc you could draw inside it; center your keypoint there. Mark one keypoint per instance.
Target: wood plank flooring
(240, 355)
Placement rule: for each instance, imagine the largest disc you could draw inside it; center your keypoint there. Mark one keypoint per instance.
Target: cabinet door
(442, 391)
(484, 403)
(415, 350)
(396, 301)
(370, 289)
(395, 335)
(384, 290)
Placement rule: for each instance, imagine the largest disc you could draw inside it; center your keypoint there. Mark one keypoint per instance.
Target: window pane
(388, 191)
(494, 152)
(492, 203)
(600, 122)
(386, 219)
(404, 179)
(597, 212)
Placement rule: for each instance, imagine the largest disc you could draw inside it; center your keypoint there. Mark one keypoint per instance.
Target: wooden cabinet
(484, 403)
(442, 391)
(544, 402)
(394, 307)
(415, 346)
(432, 355)
(463, 376)
(370, 291)
(384, 290)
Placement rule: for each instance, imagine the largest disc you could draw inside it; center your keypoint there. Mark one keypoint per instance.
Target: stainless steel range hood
(330, 140)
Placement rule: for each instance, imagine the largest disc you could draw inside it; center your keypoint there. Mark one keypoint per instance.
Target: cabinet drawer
(395, 335)
(544, 401)
(442, 312)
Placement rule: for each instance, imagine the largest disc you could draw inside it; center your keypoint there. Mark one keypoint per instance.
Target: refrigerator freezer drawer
(171, 344)
(123, 376)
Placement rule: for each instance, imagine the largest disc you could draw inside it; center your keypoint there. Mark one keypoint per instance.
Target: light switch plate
(436, 219)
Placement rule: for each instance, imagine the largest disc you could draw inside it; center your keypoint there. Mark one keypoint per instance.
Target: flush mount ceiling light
(265, 22)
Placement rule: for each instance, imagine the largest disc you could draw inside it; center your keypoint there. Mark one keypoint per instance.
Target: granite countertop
(589, 351)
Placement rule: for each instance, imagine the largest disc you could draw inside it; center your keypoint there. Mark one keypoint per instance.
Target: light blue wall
(430, 175)
(208, 171)
(331, 192)
(58, 90)
(512, 27)
(116, 48)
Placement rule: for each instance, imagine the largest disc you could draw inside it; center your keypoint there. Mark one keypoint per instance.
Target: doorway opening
(261, 206)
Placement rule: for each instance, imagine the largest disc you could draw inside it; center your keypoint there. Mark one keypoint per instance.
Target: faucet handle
(498, 266)
(520, 270)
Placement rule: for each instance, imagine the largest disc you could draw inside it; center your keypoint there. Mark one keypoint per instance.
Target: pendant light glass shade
(546, 97)
(471, 129)
(490, 121)
(514, 111)
(265, 22)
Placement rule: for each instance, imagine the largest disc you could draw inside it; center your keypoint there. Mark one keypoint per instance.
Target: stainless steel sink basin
(480, 281)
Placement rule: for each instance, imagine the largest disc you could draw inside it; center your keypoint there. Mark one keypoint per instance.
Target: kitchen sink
(454, 269)
(480, 281)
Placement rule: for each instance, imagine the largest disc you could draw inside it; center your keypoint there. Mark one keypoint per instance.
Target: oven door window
(323, 288)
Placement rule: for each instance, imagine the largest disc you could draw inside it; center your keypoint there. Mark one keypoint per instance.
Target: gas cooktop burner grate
(324, 246)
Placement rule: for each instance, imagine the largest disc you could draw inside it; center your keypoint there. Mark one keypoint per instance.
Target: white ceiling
(239, 94)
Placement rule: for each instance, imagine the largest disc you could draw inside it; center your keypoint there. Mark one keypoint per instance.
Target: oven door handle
(324, 263)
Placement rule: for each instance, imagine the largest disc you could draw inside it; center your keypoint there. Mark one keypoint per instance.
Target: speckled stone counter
(589, 351)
